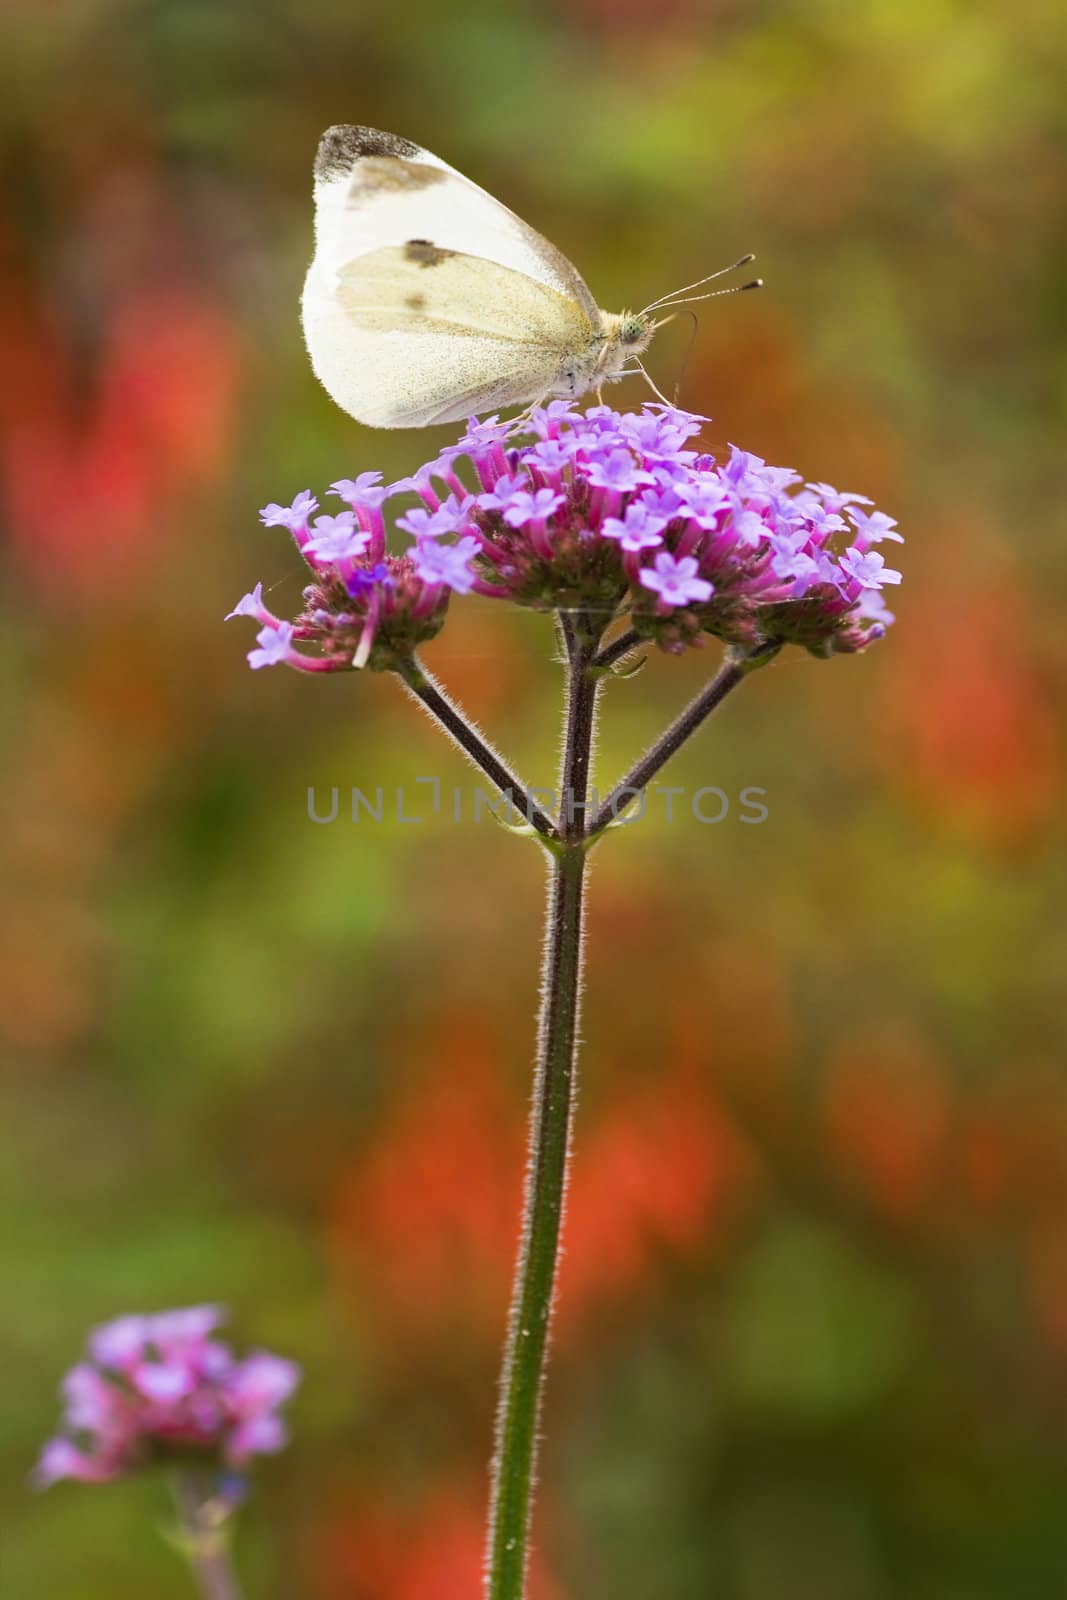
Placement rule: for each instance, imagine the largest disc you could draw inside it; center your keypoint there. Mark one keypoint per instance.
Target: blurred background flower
(163, 1389)
(814, 1330)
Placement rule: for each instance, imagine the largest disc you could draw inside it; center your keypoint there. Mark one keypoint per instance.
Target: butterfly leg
(659, 396)
(527, 412)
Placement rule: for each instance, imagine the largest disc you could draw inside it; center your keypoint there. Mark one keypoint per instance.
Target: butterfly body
(428, 301)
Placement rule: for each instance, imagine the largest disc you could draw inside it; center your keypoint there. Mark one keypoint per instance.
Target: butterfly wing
(427, 299)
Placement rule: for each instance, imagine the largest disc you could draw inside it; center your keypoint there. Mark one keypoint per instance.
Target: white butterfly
(428, 301)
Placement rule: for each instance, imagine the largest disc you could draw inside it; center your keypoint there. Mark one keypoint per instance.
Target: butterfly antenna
(757, 283)
(668, 299)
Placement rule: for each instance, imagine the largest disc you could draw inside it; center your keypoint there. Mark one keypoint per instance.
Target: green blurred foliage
(813, 1336)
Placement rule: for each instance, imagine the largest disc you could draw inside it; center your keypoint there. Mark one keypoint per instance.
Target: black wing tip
(344, 144)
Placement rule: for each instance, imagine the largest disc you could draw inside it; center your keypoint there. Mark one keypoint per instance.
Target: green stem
(526, 1352)
(204, 1536)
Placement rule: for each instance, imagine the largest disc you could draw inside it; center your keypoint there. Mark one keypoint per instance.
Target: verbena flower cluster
(613, 513)
(162, 1387)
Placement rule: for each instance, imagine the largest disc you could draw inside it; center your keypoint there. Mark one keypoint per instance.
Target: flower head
(158, 1387)
(614, 512)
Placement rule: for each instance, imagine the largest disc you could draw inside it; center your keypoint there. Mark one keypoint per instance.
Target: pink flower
(163, 1386)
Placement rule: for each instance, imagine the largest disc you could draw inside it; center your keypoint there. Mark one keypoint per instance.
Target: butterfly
(428, 301)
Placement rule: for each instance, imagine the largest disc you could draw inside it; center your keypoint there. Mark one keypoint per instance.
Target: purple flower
(751, 476)
(556, 411)
(499, 497)
(366, 578)
(676, 582)
(291, 517)
(537, 507)
(875, 526)
(423, 524)
(833, 500)
(249, 605)
(447, 563)
(274, 645)
(869, 570)
(362, 491)
(617, 470)
(664, 501)
(551, 456)
(703, 500)
(820, 522)
(480, 436)
(639, 529)
(118, 1344)
(871, 606)
(162, 1386)
(748, 527)
(337, 538)
(660, 435)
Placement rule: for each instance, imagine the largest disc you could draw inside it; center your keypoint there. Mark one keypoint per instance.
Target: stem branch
(617, 648)
(733, 669)
(448, 716)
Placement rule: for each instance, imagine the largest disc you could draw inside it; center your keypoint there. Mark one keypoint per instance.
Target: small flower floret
(675, 580)
(292, 516)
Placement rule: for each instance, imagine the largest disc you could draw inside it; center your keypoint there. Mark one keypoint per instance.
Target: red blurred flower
(94, 447)
(649, 1183)
(972, 729)
(430, 1214)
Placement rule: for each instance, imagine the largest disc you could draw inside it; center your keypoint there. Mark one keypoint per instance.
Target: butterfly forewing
(427, 299)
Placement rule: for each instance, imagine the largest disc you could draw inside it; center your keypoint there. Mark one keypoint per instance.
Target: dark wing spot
(342, 146)
(425, 253)
(416, 302)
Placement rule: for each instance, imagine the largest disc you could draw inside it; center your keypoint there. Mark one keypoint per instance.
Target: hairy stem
(204, 1537)
(428, 692)
(617, 648)
(526, 1351)
(734, 668)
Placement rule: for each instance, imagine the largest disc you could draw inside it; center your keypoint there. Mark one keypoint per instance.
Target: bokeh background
(813, 1337)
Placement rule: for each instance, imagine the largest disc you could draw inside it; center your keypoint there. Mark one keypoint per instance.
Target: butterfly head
(627, 334)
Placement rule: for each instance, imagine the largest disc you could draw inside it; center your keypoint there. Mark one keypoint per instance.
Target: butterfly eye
(633, 329)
